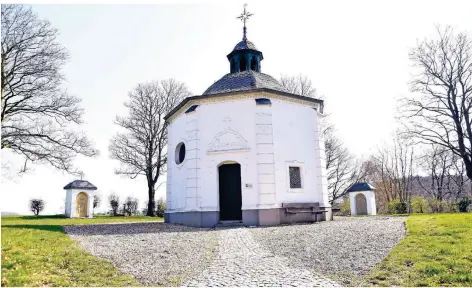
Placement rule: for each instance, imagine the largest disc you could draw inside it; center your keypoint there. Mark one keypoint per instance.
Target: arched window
(233, 66)
(242, 64)
(253, 63)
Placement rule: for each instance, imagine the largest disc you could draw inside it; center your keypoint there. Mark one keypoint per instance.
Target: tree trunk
(3, 78)
(468, 169)
(151, 203)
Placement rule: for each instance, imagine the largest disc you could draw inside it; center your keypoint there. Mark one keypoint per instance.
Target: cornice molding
(242, 96)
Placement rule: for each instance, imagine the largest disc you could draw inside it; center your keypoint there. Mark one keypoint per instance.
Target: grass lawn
(36, 252)
(437, 251)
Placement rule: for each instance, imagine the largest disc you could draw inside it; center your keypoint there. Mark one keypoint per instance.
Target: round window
(180, 153)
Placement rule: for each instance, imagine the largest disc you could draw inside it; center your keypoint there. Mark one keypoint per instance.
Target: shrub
(435, 205)
(438, 206)
(346, 208)
(36, 206)
(419, 204)
(96, 201)
(160, 207)
(402, 208)
(463, 203)
(449, 206)
(397, 207)
(391, 206)
(130, 207)
(114, 201)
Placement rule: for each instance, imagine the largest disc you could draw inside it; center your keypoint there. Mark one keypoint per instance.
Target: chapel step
(230, 223)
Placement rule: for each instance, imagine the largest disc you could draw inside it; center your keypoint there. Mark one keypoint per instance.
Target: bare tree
(440, 112)
(36, 206)
(461, 185)
(130, 206)
(96, 201)
(37, 115)
(437, 162)
(114, 202)
(341, 168)
(395, 170)
(299, 85)
(141, 149)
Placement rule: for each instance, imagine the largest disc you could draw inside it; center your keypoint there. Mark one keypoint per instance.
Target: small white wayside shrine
(362, 199)
(79, 199)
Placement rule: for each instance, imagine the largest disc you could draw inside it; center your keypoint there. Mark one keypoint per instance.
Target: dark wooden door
(230, 192)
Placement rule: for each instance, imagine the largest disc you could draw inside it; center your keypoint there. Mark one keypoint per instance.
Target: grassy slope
(36, 252)
(436, 252)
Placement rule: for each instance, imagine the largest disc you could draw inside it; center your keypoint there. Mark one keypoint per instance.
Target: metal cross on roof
(244, 17)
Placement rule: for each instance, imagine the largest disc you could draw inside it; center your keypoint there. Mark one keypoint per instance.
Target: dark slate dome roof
(80, 184)
(244, 81)
(245, 44)
(362, 186)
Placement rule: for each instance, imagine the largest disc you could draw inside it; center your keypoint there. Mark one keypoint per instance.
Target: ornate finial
(244, 17)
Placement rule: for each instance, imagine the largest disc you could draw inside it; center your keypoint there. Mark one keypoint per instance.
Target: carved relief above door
(228, 140)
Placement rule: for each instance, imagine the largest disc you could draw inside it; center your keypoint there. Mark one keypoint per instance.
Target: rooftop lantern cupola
(245, 56)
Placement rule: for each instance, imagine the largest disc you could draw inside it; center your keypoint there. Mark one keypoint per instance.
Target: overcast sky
(355, 52)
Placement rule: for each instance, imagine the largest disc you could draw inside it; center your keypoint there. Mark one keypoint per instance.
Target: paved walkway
(241, 261)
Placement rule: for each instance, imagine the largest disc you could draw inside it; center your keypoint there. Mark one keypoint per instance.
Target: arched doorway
(81, 204)
(361, 204)
(229, 176)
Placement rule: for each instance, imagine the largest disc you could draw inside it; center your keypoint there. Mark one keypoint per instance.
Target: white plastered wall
(264, 139)
(193, 185)
(370, 201)
(297, 142)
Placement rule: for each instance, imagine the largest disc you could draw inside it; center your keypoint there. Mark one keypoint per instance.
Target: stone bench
(296, 208)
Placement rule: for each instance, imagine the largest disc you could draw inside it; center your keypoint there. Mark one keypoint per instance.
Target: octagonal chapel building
(246, 151)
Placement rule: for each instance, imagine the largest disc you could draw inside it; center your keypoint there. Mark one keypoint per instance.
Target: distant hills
(6, 213)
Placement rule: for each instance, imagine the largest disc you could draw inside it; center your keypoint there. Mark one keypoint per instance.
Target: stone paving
(241, 261)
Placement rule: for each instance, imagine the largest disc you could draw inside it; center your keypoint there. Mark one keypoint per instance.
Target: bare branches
(394, 170)
(36, 112)
(97, 200)
(131, 206)
(438, 163)
(299, 85)
(141, 147)
(341, 167)
(440, 111)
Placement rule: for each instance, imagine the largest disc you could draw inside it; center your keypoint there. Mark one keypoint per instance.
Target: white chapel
(246, 151)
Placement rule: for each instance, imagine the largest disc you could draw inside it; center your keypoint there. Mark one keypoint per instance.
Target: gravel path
(154, 253)
(346, 247)
(166, 254)
(241, 261)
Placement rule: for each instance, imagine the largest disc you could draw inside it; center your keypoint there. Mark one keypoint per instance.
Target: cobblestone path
(241, 261)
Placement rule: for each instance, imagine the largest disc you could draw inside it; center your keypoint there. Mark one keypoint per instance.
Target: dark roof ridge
(245, 80)
(196, 97)
(360, 186)
(80, 184)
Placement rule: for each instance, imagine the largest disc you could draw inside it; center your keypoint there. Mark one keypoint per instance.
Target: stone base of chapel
(257, 217)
